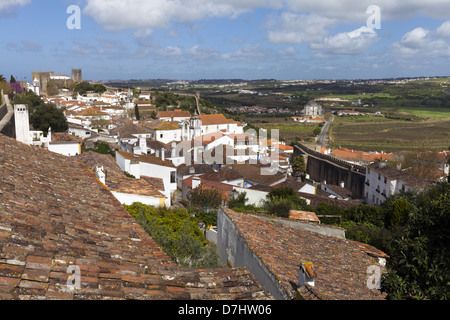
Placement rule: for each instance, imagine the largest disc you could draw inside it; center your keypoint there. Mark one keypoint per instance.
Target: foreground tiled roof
(341, 265)
(54, 214)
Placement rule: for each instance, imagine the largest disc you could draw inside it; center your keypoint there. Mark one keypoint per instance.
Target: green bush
(177, 233)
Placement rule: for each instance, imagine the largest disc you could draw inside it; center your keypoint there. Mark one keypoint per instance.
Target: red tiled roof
(146, 159)
(340, 265)
(212, 119)
(174, 114)
(221, 187)
(55, 214)
(64, 137)
(356, 155)
(303, 216)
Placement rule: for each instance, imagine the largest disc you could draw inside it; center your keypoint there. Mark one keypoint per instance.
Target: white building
(149, 166)
(383, 181)
(59, 77)
(64, 143)
(177, 115)
(22, 124)
(313, 109)
(218, 122)
(191, 128)
(34, 87)
(163, 131)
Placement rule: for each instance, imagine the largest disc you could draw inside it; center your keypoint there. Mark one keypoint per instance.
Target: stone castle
(43, 77)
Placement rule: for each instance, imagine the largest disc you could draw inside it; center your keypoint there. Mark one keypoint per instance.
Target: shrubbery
(178, 234)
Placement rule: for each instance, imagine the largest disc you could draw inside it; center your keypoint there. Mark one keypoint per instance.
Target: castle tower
(36, 86)
(22, 123)
(77, 75)
(195, 128)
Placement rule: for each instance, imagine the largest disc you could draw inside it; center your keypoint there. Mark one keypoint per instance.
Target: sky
(226, 39)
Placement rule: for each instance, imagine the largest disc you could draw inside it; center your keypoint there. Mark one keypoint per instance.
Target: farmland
(381, 134)
(289, 131)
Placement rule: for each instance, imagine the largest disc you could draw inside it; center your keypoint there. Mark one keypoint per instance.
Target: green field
(438, 113)
(288, 129)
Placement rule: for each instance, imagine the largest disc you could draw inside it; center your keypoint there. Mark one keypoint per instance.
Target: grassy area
(355, 97)
(438, 113)
(289, 131)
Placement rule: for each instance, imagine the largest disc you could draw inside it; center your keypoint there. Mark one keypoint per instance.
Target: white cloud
(347, 43)
(424, 42)
(24, 45)
(298, 28)
(7, 7)
(144, 14)
(444, 30)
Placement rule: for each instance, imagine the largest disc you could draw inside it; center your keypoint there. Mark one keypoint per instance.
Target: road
(322, 139)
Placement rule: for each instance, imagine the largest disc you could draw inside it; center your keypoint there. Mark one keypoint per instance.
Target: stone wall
(234, 251)
(322, 167)
(7, 125)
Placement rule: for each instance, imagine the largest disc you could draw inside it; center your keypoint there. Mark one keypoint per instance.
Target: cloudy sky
(212, 39)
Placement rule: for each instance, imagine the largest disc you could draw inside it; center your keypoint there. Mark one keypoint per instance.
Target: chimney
(143, 145)
(196, 181)
(101, 175)
(307, 274)
(174, 149)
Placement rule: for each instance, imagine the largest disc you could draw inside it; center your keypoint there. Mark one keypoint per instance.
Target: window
(173, 177)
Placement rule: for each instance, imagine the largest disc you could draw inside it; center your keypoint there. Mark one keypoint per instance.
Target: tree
(2, 78)
(281, 200)
(239, 201)
(299, 167)
(31, 99)
(419, 267)
(45, 116)
(317, 131)
(6, 88)
(423, 164)
(202, 196)
(136, 112)
(13, 80)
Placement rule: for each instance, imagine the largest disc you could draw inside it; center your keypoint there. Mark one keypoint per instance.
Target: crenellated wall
(321, 167)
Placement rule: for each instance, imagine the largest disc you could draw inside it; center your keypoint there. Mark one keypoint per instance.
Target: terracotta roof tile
(340, 265)
(55, 214)
(213, 119)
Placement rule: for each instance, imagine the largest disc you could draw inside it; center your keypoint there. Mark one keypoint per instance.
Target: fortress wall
(7, 124)
(322, 168)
